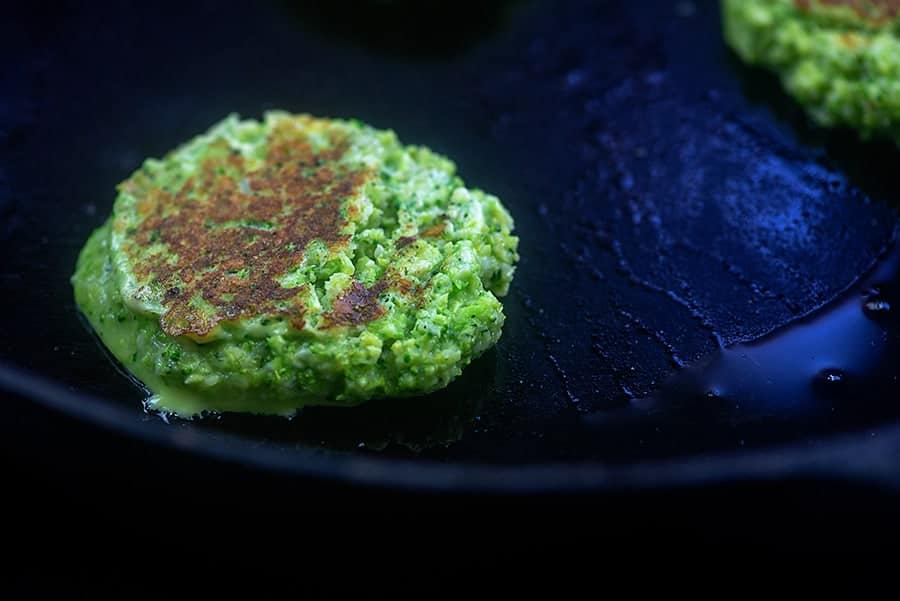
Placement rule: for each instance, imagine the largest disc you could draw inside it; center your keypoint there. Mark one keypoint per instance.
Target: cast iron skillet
(673, 207)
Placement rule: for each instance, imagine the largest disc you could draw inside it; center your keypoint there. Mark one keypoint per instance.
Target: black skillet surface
(671, 203)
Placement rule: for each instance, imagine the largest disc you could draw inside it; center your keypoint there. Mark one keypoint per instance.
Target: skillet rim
(863, 458)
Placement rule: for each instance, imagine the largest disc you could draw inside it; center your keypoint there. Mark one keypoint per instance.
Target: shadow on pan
(867, 165)
(667, 217)
(405, 28)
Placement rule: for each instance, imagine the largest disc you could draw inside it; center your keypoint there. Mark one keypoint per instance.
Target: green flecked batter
(340, 293)
(839, 58)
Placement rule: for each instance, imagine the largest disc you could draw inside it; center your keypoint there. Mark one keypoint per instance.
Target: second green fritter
(262, 267)
(839, 58)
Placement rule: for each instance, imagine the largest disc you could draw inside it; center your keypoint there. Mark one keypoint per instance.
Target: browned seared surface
(357, 305)
(433, 231)
(878, 11)
(235, 233)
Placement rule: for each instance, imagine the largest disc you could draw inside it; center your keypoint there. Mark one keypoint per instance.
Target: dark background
(671, 202)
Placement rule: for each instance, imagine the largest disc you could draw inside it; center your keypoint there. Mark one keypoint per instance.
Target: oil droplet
(831, 376)
(830, 383)
(876, 308)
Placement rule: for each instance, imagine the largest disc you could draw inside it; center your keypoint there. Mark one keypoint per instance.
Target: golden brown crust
(357, 305)
(876, 11)
(232, 234)
(404, 241)
(433, 231)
